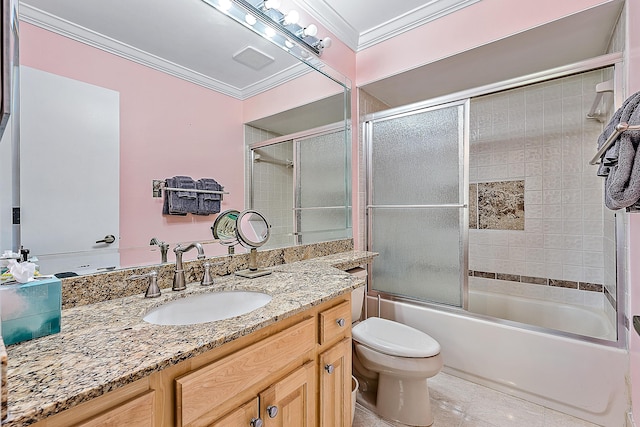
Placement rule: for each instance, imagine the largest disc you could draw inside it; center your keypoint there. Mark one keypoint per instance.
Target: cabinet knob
(272, 411)
(256, 422)
(329, 368)
(340, 322)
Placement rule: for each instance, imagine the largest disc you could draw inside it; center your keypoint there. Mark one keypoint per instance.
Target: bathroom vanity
(287, 363)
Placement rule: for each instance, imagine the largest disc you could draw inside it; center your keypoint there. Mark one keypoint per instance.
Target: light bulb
(310, 31)
(304, 54)
(225, 5)
(288, 43)
(291, 17)
(270, 32)
(271, 4)
(250, 19)
(325, 42)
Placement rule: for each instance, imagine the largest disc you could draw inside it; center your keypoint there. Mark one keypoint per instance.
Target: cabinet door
(335, 385)
(244, 416)
(291, 401)
(137, 412)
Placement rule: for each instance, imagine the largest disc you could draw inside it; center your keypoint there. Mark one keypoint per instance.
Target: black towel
(180, 202)
(208, 203)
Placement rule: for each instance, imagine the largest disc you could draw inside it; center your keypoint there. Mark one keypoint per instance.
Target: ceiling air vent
(253, 58)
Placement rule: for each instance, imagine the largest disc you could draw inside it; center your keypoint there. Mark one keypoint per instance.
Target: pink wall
(167, 127)
(633, 86)
(473, 26)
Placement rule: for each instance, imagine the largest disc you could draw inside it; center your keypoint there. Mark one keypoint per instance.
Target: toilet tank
(357, 295)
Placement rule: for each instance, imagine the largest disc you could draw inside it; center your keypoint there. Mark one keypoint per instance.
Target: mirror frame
(242, 237)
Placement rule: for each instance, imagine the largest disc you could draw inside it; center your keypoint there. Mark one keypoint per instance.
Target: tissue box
(30, 310)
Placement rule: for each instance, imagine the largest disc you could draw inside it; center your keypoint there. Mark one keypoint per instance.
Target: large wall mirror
(115, 95)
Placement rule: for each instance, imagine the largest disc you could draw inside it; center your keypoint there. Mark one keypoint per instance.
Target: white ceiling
(191, 40)
(186, 38)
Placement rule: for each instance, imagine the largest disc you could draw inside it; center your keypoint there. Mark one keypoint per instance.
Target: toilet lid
(394, 339)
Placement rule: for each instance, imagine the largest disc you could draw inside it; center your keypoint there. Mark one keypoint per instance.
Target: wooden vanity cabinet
(131, 405)
(245, 415)
(335, 385)
(334, 366)
(204, 393)
(294, 373)
(306, 365)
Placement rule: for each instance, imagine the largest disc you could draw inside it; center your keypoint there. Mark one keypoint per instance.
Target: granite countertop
(106, 345)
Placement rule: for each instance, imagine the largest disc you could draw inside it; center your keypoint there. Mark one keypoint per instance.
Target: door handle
(108, 239)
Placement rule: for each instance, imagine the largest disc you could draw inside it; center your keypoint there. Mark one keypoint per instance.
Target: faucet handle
(153, 290)
(207, 280)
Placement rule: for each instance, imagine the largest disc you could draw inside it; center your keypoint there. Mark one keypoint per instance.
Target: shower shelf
(601, 89)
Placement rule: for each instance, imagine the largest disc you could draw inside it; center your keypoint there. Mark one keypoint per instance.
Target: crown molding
(47, 21)
(331, 20)
(430, 11)
(275, 80)
(335, 23)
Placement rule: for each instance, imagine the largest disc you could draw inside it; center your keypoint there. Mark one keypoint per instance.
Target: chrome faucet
(164, 247)
(178, 277)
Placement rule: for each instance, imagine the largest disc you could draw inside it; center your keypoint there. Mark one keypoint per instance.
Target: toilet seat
(394, 339)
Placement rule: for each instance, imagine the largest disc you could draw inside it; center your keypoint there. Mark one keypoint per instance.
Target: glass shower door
(416, 202)
(323, 196)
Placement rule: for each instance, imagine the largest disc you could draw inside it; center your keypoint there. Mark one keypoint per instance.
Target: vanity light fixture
(250, 19)
(310, 31)
(265, 18)
(291, 18)
(270, 4)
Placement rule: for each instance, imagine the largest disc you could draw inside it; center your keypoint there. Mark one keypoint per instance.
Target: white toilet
(392, 363)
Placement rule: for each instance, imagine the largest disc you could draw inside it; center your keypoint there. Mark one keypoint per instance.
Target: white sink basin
(207, 307)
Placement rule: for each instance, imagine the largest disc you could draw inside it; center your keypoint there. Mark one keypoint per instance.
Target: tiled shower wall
(540, 134)
(272, 185)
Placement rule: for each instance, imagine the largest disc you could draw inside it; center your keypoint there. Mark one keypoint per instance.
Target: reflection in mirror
(224, 227)
(303, 182)
(178, 109)
(252, 229)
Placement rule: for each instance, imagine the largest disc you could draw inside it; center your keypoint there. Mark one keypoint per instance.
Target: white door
(69, 156)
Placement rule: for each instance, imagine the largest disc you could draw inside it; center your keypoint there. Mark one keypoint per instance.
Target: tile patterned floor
(459, 403)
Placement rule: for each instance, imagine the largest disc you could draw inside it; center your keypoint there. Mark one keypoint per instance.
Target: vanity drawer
(136, 412)
(335, 321)
(200, 391)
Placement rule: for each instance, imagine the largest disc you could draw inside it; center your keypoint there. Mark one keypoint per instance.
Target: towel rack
(620, 128)
(160, 184)
(601, 88)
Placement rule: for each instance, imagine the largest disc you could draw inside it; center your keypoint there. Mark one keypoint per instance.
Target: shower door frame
(367, 131)
(297, 208)
(623, 327)
(295, 138)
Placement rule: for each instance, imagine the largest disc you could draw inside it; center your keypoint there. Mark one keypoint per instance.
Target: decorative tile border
(582, 286)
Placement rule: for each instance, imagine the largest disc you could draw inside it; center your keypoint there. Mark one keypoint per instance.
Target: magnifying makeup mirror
(224, 228)
(252, 231)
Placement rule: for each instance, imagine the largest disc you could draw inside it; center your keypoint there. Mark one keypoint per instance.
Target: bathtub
(547, 314)
(580, 378)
